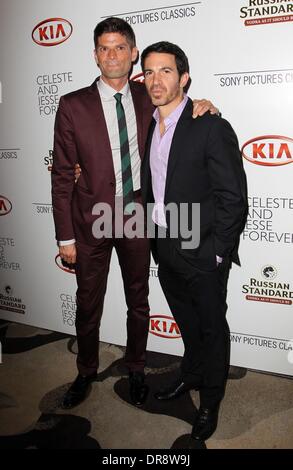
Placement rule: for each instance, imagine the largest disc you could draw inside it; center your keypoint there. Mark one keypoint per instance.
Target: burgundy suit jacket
(80, 136)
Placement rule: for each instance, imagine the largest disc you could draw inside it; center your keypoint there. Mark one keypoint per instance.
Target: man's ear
(184, 79)
(96, 57)
(134, 55)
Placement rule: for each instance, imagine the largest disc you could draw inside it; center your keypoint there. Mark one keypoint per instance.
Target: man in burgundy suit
(88, 133)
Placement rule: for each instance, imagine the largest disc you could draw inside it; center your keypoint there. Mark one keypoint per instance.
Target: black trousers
(197, 300)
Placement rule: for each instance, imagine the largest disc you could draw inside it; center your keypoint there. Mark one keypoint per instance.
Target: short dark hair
(115, 25)
(168, 48)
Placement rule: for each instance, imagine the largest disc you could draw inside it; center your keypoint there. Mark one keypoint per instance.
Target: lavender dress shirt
(159, 156)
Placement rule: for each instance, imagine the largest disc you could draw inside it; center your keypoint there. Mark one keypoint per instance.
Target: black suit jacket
(205, 166)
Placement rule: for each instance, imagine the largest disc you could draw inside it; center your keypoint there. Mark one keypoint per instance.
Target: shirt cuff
(66, 242)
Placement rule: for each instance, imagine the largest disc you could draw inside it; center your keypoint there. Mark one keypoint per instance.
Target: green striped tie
(127, 183)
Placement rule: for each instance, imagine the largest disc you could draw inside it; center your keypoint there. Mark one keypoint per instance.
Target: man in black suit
(189, 163)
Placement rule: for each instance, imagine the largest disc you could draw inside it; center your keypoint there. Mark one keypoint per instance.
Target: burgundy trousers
(92, 269)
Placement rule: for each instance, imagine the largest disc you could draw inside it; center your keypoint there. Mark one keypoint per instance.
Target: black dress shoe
(138, 390)
(78, 391)
(195, 443)
(175, 390)
(205, 423)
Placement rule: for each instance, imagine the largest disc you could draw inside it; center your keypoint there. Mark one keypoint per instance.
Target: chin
(156, 98)
(158, 102)
(115, 74)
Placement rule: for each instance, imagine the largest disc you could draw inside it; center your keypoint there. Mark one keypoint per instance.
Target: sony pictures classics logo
(269, 272)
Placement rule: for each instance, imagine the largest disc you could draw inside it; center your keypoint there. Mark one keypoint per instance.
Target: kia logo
(65, 268)
(269, 150)
(138, 78)
(5, 206)
(52, 32)
(164, 326)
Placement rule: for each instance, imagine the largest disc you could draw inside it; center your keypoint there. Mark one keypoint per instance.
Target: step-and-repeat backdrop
(240, 55)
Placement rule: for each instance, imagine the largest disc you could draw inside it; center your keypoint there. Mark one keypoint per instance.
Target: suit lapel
(98, 123)
(149, 140)
(138, 103)
(146, 169)
(177, 143)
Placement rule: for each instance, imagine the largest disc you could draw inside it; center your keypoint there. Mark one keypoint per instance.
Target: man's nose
(112, 54)
(156, 78)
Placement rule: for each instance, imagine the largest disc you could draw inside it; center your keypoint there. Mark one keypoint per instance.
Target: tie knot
(118, 97)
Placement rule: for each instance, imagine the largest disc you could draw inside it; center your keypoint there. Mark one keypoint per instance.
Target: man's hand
(200, 107)
(77, 172)
(68, 253)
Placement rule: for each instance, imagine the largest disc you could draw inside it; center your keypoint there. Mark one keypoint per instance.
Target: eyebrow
(116, 45)
(161, 68)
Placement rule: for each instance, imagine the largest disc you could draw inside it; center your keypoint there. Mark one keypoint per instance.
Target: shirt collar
(107, 92)
(175, 115)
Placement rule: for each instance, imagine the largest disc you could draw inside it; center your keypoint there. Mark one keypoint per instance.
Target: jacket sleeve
(63, 179)
(228, 182)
